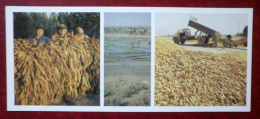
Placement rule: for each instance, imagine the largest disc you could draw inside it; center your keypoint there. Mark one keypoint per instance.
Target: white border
(10, 62)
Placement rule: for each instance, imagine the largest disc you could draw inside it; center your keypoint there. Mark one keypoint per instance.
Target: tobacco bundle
(45, 73)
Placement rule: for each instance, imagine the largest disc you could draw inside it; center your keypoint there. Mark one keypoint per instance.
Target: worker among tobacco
(39, 36)
(61, 33)
(79, 34)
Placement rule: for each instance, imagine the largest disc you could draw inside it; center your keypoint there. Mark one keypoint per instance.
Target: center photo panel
(127, 59)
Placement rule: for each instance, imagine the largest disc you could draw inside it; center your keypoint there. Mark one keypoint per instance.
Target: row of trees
(138, 30)
(25, 23)
(244, 32)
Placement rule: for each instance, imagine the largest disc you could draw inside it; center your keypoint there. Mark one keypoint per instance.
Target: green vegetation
(122, 49)
(25, 23)
(112, 56)
(244, 32)
(138, 30)
(127, 93)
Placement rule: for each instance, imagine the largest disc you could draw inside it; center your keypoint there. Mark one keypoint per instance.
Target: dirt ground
(125, 69)
(118, 77)
(127, 82)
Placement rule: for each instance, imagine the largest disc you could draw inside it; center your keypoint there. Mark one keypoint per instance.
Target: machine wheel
(202, 40)
(183, 40)
(176, 40)
(207, 41)
(225, 44)
(245, 44)
(228, 44)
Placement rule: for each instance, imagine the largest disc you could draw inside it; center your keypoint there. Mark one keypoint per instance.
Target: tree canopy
(245, 31)
(25, 23)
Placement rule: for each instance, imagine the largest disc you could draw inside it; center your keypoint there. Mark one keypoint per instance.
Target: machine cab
(186, 32)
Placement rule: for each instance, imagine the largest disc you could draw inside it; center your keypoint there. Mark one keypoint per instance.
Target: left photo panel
(56, 58)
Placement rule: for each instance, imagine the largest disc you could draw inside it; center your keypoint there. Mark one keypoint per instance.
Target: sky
(127, 19)
(225, 23)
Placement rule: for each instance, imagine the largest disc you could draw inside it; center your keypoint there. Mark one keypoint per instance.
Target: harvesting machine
(202, 35)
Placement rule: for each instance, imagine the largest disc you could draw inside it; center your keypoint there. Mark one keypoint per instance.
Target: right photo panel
(200, 59)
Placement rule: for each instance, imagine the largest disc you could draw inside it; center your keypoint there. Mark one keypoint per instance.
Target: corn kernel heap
(46, 73)
(195, 78)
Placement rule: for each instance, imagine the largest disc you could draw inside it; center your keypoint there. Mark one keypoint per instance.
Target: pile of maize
(239, 55)
(45, 73)
(195, 78)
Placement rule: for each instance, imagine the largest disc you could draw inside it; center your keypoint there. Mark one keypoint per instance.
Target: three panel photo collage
(131, 59)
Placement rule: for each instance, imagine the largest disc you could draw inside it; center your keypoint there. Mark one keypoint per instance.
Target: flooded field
(127, 56)
(127, 70)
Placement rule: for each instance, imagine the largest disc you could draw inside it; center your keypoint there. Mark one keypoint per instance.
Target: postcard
(128, 59)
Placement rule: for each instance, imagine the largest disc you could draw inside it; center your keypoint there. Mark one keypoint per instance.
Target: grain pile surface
(196, 78)
(239, 55)
(46, 73)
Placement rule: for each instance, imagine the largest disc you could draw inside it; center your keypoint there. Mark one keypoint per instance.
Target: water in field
(127, 55)
(128, 68)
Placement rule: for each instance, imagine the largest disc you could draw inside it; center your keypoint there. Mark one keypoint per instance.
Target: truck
(183, 35)
(202, 35)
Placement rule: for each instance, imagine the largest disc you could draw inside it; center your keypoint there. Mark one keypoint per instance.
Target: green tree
(20, 22)
(25, 23)
(90, 22)
(245, 31)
